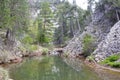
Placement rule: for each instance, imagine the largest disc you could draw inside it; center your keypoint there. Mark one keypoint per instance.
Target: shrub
(113, 58)
(27, 39)
(89, 46)
(111, 61)
(30, 47)
(66, 54)
(45, 51)
(28, 43)
(114, 64)
(33, 47)
(90, 58)
(22, 48)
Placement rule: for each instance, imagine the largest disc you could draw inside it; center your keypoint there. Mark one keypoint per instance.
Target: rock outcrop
(9, 52)
(109, 46)
(76, 45)
(4, 74)
(100, 25)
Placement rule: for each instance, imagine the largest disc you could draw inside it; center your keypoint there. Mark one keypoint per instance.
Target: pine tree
(45, 23)
(13, 17)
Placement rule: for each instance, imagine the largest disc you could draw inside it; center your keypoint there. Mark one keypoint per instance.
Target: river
(55, 68)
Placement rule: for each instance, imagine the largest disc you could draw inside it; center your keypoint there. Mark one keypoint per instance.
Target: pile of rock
(75, 46)
(107, 37)
(109, 46)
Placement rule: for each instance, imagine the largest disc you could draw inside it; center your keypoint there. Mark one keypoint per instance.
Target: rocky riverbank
(4, 75)
(107, 47)
(13, 51)
(100, 39)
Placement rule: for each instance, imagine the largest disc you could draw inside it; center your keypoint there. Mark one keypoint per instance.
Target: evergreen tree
(45, 23)
(13, 17)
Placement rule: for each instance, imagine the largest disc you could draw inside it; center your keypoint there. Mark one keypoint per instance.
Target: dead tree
(117, 10)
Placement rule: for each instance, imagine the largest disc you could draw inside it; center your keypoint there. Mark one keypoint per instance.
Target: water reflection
(49, 68)
(55, 69)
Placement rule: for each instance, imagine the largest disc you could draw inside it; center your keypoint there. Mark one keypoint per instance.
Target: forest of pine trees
(47, 22)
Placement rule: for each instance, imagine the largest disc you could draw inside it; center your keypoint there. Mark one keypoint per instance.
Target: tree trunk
(62, 33)
(10, 38)
(78, 25)
(71, 28)
(117, 15)
(7, 33)
(64, 27)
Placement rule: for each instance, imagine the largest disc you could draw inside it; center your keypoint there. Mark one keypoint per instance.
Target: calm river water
(54, 68)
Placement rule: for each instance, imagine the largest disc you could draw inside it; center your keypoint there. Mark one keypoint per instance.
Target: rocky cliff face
(76, 45)
(9, 51)
(103, 19)
(109, 46)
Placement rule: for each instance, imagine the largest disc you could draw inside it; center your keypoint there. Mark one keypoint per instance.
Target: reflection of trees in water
(49, 68)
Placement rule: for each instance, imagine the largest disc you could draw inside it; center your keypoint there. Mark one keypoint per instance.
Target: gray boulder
(75, 45)
(109, 46)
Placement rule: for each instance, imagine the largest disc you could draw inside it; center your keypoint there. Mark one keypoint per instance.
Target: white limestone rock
(109, 46)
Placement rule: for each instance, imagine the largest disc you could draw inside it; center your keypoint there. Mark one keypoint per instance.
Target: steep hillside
(9, 50)
(97, 33)
(109, 46)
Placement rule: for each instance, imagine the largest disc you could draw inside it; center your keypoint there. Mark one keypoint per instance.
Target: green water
(50, 68)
